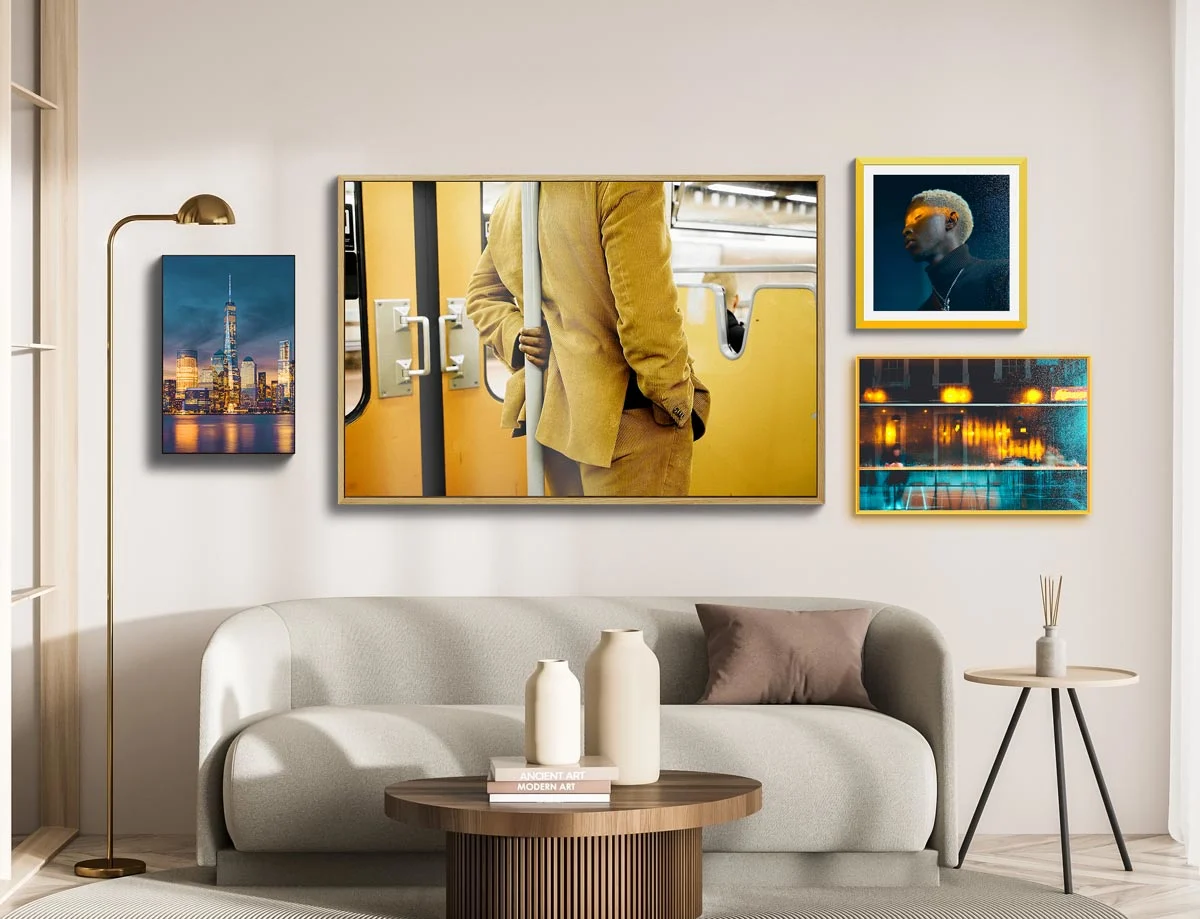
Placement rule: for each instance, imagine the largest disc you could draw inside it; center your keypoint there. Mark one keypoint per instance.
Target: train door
(481, 457)
(426, 423)
(383, 455)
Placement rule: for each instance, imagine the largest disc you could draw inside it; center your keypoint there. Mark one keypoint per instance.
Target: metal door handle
(451, 363)
(425, 363)
(401, 320)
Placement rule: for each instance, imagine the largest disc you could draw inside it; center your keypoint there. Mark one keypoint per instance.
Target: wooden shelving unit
(56, 449)
(30, 96)
(25, 349)
(31, 593)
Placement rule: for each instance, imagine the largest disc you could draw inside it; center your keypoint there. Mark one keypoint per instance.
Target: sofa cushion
(784, 656)
(834, 779)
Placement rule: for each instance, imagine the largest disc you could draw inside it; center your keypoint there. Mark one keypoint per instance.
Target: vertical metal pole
(532, 299)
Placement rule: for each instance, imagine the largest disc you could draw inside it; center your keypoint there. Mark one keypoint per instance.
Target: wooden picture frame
(413, 247)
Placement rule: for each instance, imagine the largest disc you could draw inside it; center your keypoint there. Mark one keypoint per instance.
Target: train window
(764, 208)
(352, 318)
(495, 375)
(495, 371)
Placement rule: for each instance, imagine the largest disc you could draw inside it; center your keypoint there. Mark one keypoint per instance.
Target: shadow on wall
(156, 722)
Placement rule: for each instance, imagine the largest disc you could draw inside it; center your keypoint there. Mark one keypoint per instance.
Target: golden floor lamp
(202, 210)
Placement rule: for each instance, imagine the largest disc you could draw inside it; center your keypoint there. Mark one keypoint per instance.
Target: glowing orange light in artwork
(956, 394)
(874, 395)
(1032, 395)
(1069, 394)
(889, 434)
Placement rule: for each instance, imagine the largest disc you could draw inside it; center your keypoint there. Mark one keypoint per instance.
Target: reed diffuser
(1051, 649)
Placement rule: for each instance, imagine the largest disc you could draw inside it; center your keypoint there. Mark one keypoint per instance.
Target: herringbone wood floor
(1160, 886)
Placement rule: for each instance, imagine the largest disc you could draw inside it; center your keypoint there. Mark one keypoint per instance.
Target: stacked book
(513, 780)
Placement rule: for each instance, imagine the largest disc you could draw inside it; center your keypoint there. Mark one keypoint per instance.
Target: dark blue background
(900, 282)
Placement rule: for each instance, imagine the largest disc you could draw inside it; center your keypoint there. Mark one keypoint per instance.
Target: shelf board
(32, 348)
(30, 593)
(30, 96)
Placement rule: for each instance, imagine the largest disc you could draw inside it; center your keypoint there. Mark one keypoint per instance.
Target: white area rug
(188, 893)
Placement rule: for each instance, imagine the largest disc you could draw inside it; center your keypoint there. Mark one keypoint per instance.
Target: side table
(1024, 677)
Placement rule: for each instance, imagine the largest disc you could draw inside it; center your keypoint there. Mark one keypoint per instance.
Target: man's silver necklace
(946, 299)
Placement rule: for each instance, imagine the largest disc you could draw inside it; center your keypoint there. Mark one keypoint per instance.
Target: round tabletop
(1076, 678)
(677, 801)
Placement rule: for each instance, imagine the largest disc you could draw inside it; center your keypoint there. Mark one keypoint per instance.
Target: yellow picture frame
(927, 511)
(867, 168)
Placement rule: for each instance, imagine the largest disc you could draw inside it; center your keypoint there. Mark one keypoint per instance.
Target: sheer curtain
(1184, 818)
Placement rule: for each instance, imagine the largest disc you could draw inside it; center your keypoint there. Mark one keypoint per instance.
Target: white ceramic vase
(552, 715)
(1051, 655)
(620, 713)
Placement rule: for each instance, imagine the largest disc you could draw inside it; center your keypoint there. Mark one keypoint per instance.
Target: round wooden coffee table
(636, 857)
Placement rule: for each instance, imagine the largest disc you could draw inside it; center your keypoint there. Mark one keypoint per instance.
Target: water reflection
(229, 434)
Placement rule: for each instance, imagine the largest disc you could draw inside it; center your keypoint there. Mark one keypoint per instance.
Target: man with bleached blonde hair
(937, 224)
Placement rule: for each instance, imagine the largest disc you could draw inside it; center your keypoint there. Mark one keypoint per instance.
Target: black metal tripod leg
(1063, 832)
(991, 780)
(1091, 752)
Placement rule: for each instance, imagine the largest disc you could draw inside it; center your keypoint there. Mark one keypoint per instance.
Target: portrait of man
(937, 225)
(941, 244)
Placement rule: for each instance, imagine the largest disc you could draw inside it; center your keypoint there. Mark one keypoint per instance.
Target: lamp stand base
(109, 868)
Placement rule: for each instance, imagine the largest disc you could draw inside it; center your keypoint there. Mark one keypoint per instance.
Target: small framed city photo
(955, 434)
(229, 366)
(941, 243)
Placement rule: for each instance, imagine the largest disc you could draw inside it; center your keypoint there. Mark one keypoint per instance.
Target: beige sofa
(309, 708)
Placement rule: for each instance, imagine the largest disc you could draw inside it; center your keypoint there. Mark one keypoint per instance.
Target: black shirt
(962, 282)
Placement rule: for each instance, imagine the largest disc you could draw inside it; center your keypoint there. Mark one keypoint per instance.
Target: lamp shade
(206, 210)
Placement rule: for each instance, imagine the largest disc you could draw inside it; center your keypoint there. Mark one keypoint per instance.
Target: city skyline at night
(224, 316)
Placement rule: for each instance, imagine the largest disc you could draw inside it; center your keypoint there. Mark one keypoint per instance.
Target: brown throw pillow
(784, 656)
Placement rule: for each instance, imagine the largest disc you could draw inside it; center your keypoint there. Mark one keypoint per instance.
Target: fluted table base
(637, 876)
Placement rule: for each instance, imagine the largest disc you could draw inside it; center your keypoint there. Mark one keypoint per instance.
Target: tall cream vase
(621, 699)
(552, 715)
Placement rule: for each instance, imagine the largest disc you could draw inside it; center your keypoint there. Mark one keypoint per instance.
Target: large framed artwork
(954, 435)
(657, 340)
(229, 366)
(941, 243)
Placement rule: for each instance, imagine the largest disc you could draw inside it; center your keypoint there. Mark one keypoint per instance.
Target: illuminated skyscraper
(249, 393)
(168, 396)
(262, 385)
(187, 373)
(283, 376)
(229, 345)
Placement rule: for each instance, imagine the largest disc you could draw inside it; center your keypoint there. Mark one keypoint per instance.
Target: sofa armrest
(908, 674)
(245, 675)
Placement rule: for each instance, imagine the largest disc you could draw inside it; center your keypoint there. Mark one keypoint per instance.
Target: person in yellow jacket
(621, 404)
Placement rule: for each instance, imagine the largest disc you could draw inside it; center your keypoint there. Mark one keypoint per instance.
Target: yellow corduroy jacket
(610, 304)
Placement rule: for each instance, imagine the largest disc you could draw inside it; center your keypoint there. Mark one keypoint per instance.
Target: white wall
(266, 103)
